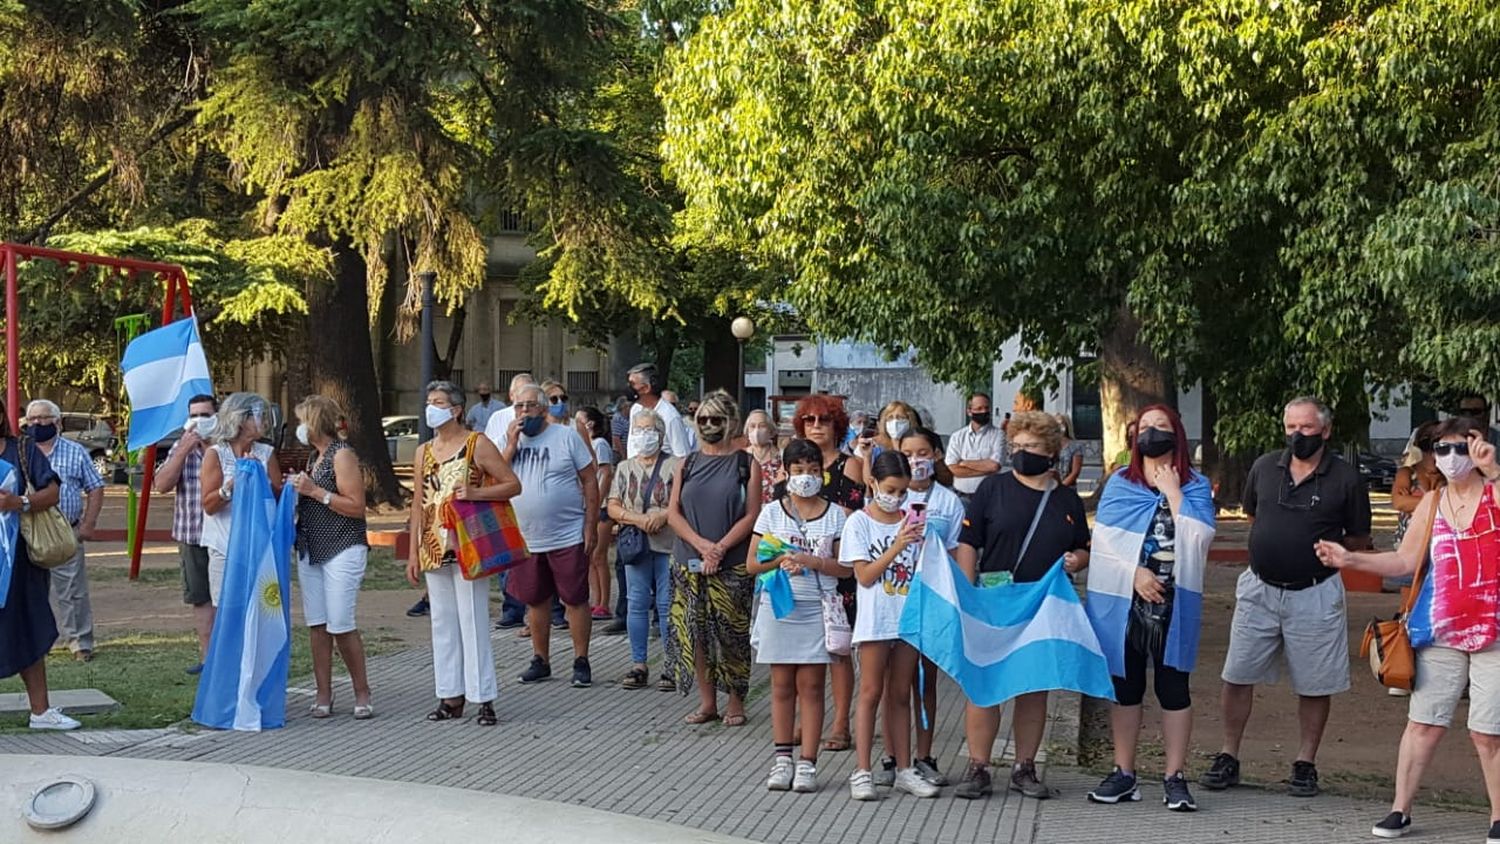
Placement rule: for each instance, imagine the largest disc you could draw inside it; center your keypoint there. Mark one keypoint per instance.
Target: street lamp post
(429, 345)
(743, 328)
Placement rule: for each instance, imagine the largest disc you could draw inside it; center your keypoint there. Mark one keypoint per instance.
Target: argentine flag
(163, 370)
(243, 685)
(1125, 511)
(10, 525)
(1002, 641)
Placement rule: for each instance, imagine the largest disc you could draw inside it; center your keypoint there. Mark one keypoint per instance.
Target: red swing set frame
(178, 293)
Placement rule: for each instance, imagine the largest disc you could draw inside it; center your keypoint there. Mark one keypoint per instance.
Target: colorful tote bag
(484, 535)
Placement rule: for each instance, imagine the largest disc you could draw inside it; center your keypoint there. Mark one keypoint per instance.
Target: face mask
(484, 397)
(559, 410)
(302, 434)
(634, 395)
(888, 502)
(532, 425)
(921, 468)
(43, 433)
(1455, 466)
(980, 418)
(204, 425)
(895, 428)
(644, 442)
(1303, 446)
(760, 436)
(1030, 463)
(711, 433)
(437, 417)
(1154, 442)
(804, 486)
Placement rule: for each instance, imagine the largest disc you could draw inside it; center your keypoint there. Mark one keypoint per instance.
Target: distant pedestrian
(80, 500)
(1070, 459)
(761, 439)
(977, 450)
(594, 428)
(1288, 606)
(182, 473)
(479, 415)
(646, 394)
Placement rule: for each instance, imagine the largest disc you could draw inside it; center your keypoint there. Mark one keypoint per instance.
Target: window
(582, 381)
(1088, 415)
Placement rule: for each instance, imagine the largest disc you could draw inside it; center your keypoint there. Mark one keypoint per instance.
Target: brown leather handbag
(1386, 643)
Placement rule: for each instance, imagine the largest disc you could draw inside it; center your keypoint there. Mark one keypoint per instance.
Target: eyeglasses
(1445, 449)
(526, 405)
(1311, 502)
(35, 419)
(711, 420)
(561, 398)
(817, 419)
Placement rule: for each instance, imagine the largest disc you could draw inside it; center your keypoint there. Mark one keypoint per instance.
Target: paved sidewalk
(628, 752)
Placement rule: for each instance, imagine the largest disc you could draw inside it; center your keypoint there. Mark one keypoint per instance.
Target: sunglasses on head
(817, 419)
(1444, 449)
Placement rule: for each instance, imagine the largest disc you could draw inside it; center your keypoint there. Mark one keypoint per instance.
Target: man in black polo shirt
(1287, 602)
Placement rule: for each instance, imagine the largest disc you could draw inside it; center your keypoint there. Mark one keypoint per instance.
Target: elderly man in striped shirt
(80, 500)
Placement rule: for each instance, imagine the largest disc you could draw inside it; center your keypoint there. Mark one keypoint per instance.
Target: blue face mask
(559, 410)
(532, 425)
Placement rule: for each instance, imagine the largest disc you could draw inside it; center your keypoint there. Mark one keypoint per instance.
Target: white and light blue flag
(164, 369)
(10, 525)
(1120, 527)
(1002, 641)
(243, 685)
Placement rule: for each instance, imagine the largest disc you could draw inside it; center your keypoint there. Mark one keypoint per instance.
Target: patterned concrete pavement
(628, 752)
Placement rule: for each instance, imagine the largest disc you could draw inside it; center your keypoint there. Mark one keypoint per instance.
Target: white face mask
(437, 417)
(804, 486)
(644, 441)
(1455, 466)
(895, 428)
(302, 434)
(204, 425)
(921, 468)
(889, 502)
(760, 436)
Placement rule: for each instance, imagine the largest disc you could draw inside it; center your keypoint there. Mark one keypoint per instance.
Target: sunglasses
(1444, 449)
(817, 419)
(558, 399)
(711, 420)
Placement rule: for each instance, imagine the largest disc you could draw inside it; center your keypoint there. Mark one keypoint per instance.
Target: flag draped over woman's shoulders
(1120, 526)
(243, 686)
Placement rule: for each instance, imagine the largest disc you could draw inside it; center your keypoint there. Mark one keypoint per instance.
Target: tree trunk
(443, 366)
(665, 338)
(721, 358)
(1130, 378)
(342, 365)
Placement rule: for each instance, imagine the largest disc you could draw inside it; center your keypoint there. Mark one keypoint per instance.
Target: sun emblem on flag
(270, 595)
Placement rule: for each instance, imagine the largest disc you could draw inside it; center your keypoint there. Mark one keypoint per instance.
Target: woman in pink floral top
(762, 438)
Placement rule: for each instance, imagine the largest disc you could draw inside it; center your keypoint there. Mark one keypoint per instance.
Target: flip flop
(735, 720)
(701, 717)
(836, 743)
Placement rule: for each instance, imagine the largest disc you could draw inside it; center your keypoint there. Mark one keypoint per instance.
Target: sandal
(446, 711)
(836, 743)
(321, 710)
(666, 684)
(736, 720)
(701, 717)
(364, 712)
(486, 716)
(635, 678)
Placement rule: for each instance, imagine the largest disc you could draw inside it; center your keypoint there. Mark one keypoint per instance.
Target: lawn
(144, 672)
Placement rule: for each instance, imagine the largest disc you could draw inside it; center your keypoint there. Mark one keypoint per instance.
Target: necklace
(1458, 508)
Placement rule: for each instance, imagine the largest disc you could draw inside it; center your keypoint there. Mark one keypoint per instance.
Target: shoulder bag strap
(23, 457)
(1035, 519)
(651, 483)
(469, 458)
(1416, 576)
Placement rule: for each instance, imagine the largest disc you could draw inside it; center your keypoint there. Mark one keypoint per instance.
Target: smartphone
(695, 565)
(870, 428)
(916, 513)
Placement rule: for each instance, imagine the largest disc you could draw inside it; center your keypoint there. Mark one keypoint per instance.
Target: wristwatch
(25, 504)
(327, 497)
(225, 493)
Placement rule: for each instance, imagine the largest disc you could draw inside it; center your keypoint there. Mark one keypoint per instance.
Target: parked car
(1379, 473)
(401, 438)
(95, 434)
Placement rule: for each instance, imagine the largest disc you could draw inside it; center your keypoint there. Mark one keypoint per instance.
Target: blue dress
(27, 628)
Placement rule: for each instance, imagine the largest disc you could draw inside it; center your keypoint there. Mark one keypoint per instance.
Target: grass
(382, 573)
(144, 672)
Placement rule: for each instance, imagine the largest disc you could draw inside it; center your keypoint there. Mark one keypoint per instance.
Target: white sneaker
(862, 786)
(53, 719)
(781, 774)
(806, 781)
(911, 782)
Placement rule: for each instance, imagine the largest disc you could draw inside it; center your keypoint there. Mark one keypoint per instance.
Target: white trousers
(463, 660)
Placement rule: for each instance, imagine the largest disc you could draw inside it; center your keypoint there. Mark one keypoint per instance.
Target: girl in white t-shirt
(945, 519)
(794, 645)
(880, 543)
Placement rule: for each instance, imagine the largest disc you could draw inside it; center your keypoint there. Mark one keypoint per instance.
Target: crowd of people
(739, 545)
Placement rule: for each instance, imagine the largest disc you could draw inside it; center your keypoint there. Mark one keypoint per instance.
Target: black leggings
(1171, 685)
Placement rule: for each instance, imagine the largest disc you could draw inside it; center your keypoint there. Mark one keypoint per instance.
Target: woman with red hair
(822, 420)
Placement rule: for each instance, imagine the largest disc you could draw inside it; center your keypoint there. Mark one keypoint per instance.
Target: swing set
(127, 270)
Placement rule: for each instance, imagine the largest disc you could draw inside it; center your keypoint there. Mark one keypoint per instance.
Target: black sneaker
(976, 782)
(419, 609)
(1177, 797)
(582, 676)
(538, 671)
(1304, 780)
(1116, 787)
(559, 622)
(1223, 773)
(1494, 836)
(509, 622)
(1395, 825)
(615, 628)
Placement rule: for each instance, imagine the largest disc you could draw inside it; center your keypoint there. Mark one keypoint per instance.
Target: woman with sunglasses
(822, 420)
(1453, 625)
(715, 502)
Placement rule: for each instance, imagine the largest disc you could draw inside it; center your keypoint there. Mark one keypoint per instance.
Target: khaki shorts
(1308, 625)
(1442, 675)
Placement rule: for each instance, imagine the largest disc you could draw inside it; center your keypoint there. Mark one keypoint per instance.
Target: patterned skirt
(711, 617)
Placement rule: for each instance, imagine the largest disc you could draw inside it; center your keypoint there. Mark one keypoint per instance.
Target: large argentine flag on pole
(1002, 641)
(1124, 516)
(243, 686)
(164, 369)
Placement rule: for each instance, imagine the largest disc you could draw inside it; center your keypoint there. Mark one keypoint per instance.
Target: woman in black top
(823, 421)
(331, 552)
(993, 549)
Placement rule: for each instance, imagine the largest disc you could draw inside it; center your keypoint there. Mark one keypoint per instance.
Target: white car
(401, 438)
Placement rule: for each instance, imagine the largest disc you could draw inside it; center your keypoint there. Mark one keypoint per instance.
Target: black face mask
(484, 397)
(1154, 442)
(980, 418)
(1303, 446)
(1030, 463)
(633, 394)
(43, 433)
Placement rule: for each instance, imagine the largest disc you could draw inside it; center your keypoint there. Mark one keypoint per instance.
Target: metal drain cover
(60, 804)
